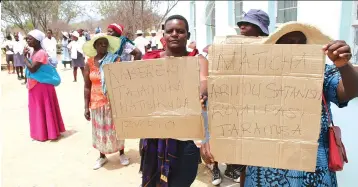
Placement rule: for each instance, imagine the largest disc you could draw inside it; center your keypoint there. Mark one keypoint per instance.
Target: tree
(38, 13)
(134, 14)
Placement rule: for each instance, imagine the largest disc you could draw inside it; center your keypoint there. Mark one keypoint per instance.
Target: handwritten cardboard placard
(155, 98)
(265, 104)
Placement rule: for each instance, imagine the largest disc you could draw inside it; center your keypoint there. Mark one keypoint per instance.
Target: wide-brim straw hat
(139, 32)
(313, 34)
(114, 44)
(65, 34)
(75, 34)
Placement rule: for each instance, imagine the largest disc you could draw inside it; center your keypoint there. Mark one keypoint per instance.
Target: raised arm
(340, 53)
(87, 91)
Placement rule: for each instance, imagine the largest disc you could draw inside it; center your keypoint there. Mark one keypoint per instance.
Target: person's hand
(26, 51)
(192, 45)
(87, 115)
(338, 52)
(206, 153)
(203, 99)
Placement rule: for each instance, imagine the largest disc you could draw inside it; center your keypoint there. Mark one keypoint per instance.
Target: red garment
(118, 28)
(156, 54)
(163, 42)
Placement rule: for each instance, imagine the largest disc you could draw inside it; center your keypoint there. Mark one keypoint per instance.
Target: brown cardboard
(155, 98)
(237, 39)
(265, 104)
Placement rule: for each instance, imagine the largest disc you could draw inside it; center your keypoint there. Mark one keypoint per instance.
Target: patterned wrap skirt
(104, 136)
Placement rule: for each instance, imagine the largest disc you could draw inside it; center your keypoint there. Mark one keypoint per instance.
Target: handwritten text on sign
(152, 99)
(265, 95)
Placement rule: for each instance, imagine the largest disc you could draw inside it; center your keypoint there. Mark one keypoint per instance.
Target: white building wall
(263, 5)
(200, 25)
(325, 15)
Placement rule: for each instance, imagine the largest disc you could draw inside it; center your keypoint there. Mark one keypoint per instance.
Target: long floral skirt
(104, 137)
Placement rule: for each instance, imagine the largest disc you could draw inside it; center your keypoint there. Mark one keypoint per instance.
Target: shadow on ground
(114, 163)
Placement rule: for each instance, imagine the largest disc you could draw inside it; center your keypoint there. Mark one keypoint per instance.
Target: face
(153, 34)
(74, 38)
(31, 41)
(111, 32)
(295, 37)
(80, 31)
(16, 37)
(101, 45)
(49, 34)
(64, 37)
(248, 29)
(175, 34)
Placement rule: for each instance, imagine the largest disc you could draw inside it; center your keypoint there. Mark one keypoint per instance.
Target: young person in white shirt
(50, 46)
(19, 62)
(78, 59)
(8, 46)
(140, 42)
(153, 41)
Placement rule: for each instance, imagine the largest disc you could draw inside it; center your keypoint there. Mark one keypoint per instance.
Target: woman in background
(45, 116)
(78, 59)
(104, 136)
(66, 59)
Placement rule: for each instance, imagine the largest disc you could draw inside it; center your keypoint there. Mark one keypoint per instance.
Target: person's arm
(137, 54)
(348, 86)
(32, 67)
(87, 90)
(340, 53)
(204, 73)
(131, 49)
(37, 61)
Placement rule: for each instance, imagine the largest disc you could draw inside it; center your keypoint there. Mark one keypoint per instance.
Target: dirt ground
(67, 162)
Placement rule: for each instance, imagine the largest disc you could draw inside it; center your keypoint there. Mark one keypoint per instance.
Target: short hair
(49, 30)
(179, 17)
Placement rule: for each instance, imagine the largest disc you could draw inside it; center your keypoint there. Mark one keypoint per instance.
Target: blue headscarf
(123, 41)
(110, 58)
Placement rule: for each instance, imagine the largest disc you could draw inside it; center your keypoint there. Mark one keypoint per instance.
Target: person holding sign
(170, 162)
(339, 87)
(104, 135)
(254, 24)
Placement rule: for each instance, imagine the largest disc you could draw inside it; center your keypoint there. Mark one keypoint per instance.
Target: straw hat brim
(313, 34)
(65, 34)
(89, 50)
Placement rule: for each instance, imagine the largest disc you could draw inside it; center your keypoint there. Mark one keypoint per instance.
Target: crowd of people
(169, 162)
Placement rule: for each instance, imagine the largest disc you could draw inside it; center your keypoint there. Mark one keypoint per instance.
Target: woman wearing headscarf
(100, 51)
(66, 59)
(127, 48)
(45, 116)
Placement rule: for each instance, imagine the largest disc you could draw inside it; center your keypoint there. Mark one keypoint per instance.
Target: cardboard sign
(265, 104)
(155, 98)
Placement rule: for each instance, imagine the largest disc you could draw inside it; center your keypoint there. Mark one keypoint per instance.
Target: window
(354, 59)
(286, 11)
(238, 11)
(210, 20)
(193, 20)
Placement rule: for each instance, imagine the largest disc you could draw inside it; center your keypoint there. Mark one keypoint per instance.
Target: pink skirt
(45, 116)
